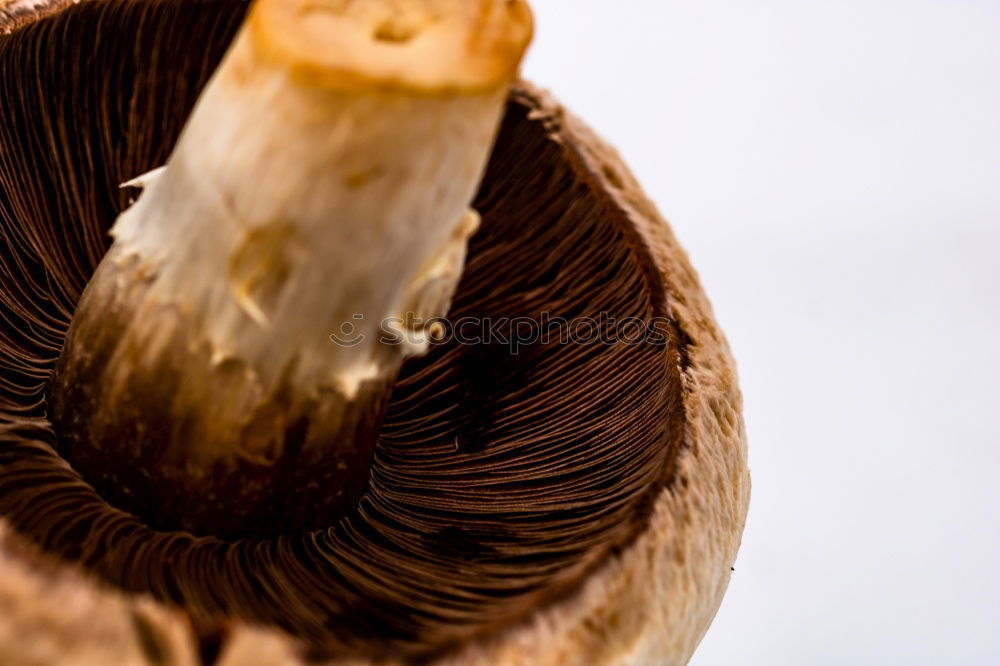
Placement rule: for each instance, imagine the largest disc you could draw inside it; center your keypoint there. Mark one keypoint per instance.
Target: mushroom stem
(228, 365)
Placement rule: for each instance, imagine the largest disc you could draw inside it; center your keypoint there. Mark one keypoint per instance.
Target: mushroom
(192, 471)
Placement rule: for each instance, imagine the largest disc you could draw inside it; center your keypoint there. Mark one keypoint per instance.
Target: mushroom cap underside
(568, 503)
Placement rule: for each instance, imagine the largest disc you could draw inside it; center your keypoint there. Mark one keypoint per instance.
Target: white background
(833, 169)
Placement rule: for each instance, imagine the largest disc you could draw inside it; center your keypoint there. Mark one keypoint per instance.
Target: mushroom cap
(642, 456)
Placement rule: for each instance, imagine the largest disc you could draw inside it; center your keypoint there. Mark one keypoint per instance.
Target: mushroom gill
(601, 486)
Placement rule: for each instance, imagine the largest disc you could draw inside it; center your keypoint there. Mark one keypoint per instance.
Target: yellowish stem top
(427, 46)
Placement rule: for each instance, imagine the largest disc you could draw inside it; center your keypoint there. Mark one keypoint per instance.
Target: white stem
(294, 207)
(322, 182)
